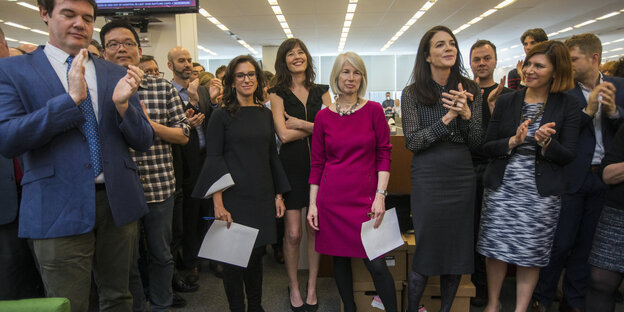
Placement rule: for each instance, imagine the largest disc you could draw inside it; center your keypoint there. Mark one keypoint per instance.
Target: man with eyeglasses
(165, 111)
(149, 66)
(199, 101)
(73, 117)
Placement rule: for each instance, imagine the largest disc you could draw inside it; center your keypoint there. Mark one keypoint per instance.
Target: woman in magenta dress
(350, 168)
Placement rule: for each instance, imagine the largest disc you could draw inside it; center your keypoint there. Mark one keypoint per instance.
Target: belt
(100, 187)
(595, 168)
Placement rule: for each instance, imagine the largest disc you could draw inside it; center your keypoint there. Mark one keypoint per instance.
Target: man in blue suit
(72, 117)
(602, 98)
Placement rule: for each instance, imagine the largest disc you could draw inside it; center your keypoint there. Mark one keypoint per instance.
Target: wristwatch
(383, 192)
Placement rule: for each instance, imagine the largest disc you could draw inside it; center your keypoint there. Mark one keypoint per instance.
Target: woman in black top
(243, 174)
(440, 125)
(607, 256)
(295, 100)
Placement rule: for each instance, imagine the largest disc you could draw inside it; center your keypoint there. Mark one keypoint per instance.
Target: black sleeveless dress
(295, 156)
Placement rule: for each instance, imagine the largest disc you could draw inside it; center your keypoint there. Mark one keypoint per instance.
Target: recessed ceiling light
(216, 22)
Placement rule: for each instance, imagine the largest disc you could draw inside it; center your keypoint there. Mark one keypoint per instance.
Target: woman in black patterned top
(440, 123)
(295, 100)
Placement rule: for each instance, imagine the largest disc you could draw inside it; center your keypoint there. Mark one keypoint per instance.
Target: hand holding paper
(218, 242)
(378, 241)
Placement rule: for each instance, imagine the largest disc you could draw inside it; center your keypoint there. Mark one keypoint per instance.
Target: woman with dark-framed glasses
(532, 134)
(243, 174)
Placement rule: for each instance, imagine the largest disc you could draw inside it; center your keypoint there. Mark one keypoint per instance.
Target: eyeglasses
(154, 73)
(241, 76)
(114, 45)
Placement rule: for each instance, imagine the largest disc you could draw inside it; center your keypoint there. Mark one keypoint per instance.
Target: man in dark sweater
(483, 63)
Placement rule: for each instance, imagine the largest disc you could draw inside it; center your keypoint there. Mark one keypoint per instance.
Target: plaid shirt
(165, 107)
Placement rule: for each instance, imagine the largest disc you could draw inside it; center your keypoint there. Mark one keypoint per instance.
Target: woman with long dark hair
(295, 100)
(243, 167)
(440, 124)
(531, 136)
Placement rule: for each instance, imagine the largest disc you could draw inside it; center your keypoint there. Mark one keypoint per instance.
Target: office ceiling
(319, 24)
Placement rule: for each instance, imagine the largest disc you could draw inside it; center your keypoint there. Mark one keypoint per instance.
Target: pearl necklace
(348, 111)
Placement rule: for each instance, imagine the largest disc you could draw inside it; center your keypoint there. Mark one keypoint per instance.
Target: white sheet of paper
(231, 245)
(383, 239)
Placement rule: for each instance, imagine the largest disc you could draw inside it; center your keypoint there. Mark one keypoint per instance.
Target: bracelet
(542, 144)
(279, 198)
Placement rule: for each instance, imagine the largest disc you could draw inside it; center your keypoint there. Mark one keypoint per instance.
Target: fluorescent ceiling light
(349, 17)
(277, 10)
(475, 20)
(10, 39)
(206, 50)
(40, 32)
(26, 42)
(488, 12)
(409, 23)
(505, 49)
(608, 15)
(28, 5)
(97, 29)
(16, 25)
(504, 4)
(565, 29)
(428, 5)
(216, 22)
(351, 7)
(585, 23)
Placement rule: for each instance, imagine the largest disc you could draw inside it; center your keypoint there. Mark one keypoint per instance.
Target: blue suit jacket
(578, 169)
(40, 121)
(8, 189)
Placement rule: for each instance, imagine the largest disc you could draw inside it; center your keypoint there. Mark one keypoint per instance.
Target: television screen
(145, 7)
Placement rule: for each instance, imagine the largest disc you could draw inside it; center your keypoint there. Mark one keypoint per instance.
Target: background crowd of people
(113, 169)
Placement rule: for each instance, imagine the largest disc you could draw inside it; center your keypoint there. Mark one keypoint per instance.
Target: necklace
(349, 111)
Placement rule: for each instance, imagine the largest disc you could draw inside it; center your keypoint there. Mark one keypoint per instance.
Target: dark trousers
(239, 281)
(579, 216)
(66, 263)
(19, 277)
(479, 277)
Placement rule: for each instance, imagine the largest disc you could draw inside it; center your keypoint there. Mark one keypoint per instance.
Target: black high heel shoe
(311, 307)
(301, 308)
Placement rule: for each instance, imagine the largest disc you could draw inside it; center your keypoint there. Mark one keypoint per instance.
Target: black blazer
(561, 108)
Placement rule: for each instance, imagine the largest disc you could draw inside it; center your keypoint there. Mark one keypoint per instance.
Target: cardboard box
(396, 261)
(364, 292)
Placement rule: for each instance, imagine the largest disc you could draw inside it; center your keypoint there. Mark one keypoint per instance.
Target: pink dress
(347, 152)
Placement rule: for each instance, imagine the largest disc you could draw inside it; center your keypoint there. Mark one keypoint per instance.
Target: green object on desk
(36, 305)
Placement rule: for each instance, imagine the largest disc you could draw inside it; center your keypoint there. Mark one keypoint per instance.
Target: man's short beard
(181, 74)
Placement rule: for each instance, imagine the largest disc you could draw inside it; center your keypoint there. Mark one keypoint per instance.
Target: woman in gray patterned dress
(532, 134)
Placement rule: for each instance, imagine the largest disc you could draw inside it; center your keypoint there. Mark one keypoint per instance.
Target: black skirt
(442, 202)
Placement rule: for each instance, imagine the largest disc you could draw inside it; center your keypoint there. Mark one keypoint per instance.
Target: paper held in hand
(383, 239)
(231, 245)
